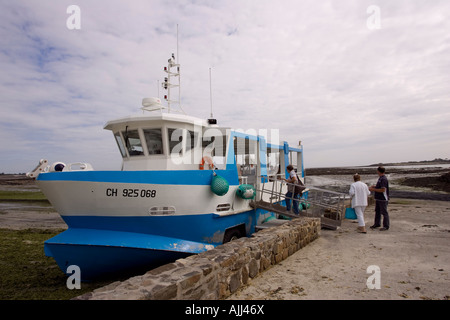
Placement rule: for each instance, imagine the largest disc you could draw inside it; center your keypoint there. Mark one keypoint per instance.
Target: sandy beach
(413, 258)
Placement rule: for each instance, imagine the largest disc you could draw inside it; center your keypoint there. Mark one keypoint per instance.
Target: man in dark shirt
(381, 196)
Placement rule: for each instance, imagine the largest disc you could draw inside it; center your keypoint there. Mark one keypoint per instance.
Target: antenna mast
(167, 84)
(211, 120)
(210, 93)
(179, 76)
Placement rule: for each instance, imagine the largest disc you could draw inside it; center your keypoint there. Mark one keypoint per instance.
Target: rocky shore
(367, 170)
(425, 183)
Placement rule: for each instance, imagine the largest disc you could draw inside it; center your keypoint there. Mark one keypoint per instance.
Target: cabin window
(215, 146)
(295, 159)
(193, 150)
(273, 161)
(120, 144)
(192, 140)
(153, 137)
(246, 160)
(133, 142)
(175, 141)
(245, 151)
(299, 164)
(208, 145)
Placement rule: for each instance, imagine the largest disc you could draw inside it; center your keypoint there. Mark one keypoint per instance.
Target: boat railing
(78, 166)
(44, 167)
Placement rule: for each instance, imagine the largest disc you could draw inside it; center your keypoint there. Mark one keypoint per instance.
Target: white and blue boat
(186, 185)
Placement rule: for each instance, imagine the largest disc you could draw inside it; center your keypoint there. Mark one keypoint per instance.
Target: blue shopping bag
(350, 213)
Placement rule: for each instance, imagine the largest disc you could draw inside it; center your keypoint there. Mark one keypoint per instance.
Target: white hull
(135, 199)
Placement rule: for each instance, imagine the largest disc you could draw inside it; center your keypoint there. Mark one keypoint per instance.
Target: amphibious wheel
(234, 233)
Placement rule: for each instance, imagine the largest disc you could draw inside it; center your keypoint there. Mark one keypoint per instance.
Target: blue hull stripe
(95, 237)
(202, 228)
(175, 177)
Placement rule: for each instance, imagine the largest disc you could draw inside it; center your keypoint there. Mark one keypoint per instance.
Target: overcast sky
(358, 82)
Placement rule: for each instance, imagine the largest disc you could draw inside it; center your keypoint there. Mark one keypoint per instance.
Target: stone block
(244, 275)
(166, 291)
(235, 281)
(278, 247)
(264, 264)
(190, 279)
(223, 290)
(162, 269)
(253, 268)
(285, 253)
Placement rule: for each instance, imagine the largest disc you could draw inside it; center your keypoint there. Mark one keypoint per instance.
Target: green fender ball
(219, 185)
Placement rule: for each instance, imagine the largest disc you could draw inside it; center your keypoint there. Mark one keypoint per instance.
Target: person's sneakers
(374, 227)
(384, 229)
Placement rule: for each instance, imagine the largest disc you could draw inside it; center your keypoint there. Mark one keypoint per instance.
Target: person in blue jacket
(292, 181)
(381, 197)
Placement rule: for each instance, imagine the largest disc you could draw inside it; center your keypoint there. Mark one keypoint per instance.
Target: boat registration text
(131, 193)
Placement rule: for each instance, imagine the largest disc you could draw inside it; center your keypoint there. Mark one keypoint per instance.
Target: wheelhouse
(179, 142)
(168, 142)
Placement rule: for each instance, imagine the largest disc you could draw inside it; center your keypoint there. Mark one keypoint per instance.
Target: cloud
(312, 69)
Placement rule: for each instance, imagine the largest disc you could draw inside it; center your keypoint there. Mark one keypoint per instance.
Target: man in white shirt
(359, 192)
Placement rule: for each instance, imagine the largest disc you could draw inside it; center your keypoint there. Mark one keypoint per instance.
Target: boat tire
(234, 233)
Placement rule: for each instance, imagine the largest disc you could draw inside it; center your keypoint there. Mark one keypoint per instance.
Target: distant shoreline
(365, 170)
(430, 181)
(436, 162)
(412, 163)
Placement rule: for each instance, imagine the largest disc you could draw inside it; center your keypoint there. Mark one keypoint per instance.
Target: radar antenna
(169, 82)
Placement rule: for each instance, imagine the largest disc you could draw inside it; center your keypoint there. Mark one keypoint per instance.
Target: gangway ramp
(327, 205)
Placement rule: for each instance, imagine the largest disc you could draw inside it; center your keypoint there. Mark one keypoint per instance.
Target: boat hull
(114, 226)
(102, 253)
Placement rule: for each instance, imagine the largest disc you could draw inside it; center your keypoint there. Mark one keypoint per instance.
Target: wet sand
(18, 215)
(25, 215)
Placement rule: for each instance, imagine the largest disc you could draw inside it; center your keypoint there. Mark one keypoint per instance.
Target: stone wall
(217, 273)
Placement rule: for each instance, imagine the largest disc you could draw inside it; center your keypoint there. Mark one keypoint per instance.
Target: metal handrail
(318, 198)
(275, 194)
